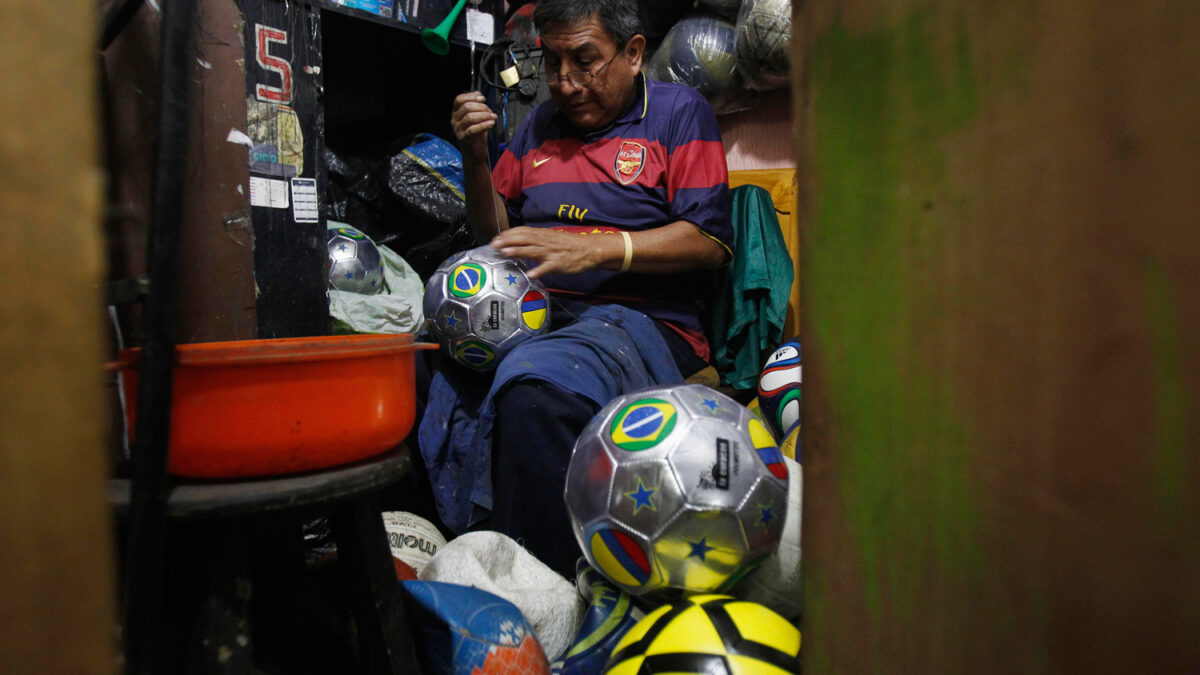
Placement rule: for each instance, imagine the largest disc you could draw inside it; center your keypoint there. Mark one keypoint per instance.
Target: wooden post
(217, 287)
(1002, 335)
(57, 599)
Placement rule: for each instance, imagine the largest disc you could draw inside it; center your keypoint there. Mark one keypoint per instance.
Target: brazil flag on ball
(467, 280)
(643, 424)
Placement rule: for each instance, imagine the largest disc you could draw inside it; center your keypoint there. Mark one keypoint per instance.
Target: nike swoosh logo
(539, 162)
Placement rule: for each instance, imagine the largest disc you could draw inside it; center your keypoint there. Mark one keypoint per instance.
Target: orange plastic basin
(267, 407)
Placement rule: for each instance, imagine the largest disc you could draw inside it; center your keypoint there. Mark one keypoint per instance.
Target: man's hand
(670, 249)
(557, 252)
(471, 119)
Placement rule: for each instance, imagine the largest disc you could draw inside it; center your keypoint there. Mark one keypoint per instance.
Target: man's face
(586, 46)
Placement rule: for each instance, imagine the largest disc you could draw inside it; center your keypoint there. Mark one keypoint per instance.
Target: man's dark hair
(618, 17)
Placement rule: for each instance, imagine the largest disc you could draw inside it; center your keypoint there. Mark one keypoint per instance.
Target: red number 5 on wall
(263, 37)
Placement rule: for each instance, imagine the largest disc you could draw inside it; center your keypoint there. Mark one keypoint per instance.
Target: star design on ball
(451, 320)
(641, 497)
(341, 247)
(512, 279)
(711, 404)
(765, 515)
(700, 548)
(349, 275)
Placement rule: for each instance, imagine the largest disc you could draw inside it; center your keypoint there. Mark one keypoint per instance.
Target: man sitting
(616, 192)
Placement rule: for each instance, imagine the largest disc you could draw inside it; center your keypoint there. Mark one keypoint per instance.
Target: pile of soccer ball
(681, 490)
(670, 490)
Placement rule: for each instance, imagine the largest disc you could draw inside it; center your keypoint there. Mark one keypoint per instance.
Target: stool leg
(220, 644)
(385, 630)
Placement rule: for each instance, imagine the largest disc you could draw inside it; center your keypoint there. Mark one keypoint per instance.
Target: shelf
(391, 22)
(457, 37)
(380, 84)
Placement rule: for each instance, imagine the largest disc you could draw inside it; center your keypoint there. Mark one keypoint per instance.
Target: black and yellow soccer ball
(708, 635)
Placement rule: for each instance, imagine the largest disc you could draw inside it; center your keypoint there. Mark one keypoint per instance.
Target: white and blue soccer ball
(779, 388)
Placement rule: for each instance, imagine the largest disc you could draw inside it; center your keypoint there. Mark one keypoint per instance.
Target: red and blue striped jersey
(659, 162)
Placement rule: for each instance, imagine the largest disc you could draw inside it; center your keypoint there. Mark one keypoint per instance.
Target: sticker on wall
(268, 192)
(278, 139)
(304, 200)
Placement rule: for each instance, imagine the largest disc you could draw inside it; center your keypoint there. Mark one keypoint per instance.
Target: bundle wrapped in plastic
(699, 52)
(353, 196)
(764, 32)
(409, 197)
(657, 17)
(424, 178)
(726, 8)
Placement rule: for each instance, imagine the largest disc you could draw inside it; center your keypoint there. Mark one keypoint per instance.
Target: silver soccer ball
(676, 489)
(354, 262)
(479, 305)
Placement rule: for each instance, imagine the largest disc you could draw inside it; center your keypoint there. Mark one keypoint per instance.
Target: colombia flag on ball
(618, 555)
(533, 309)
(768, 451)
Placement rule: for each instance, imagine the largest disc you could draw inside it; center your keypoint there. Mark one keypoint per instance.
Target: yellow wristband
(628, 252)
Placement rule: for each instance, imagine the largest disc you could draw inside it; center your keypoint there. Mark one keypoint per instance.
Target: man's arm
(671, 249)
(471, 119)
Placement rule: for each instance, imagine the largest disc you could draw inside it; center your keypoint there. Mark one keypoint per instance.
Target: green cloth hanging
(750, 297)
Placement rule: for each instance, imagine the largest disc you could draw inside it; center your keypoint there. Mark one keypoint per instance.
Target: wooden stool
(229, 513)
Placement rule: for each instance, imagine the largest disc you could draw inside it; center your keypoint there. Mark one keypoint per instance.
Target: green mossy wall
(1001, 266)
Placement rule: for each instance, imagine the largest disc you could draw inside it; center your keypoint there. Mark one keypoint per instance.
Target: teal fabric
(751, 295)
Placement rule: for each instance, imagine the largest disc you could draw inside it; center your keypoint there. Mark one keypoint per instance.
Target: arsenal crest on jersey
(631, 157)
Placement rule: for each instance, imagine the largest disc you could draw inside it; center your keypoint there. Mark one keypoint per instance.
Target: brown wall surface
(57, 598)
(1000, 269)
(217, 289)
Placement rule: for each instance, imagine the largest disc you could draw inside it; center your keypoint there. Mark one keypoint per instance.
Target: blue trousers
(529, 415)
(537, 424)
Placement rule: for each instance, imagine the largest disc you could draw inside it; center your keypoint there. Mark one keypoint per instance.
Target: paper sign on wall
(480, 26)
(268, 192)
(304, 200)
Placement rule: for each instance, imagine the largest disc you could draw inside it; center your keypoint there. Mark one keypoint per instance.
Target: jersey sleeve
(508, 173)
(697, 177)
(506, 177)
